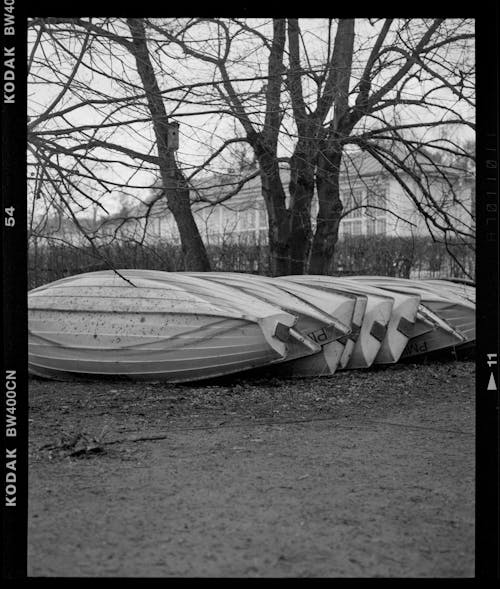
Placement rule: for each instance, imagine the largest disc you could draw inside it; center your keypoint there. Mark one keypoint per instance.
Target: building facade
(375, 203)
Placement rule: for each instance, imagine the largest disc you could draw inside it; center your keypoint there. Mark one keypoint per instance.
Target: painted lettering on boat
(323, 335)
(415, 348)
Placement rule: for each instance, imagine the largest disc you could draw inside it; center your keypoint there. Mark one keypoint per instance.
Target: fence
(376, 255)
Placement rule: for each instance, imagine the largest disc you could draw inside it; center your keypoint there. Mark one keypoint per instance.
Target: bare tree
(262, 135)
(173, 181)
(295, 92)
(318, 154)
(80, 162)
(428, 53)
(368, 109)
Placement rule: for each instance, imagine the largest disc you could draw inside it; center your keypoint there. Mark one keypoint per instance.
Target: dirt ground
(362, 474)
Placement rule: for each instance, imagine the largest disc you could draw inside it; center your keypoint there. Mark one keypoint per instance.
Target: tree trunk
(301, 194)
(173, 180)
(329, 213)
(279, 227)
(193, 249)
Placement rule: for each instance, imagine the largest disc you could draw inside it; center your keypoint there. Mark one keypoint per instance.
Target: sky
(200, 134)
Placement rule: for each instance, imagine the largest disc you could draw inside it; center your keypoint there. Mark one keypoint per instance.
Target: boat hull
(463, 291)
(373, 327)
(95, 326)
(454, 317)
(322, 317)
(401, 323)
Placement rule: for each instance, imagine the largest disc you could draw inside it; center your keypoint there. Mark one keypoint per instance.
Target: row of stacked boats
(182, 327)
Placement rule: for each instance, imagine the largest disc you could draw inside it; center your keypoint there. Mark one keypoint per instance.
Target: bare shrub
(380, 255)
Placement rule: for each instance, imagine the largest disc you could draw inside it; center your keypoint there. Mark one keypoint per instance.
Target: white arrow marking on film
(492, 385)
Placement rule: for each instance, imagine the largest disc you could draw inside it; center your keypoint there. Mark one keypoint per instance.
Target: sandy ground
(362, 474)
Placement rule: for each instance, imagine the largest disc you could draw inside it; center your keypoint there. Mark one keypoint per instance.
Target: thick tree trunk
(279, 227)
(329, 213)
(301, 194)
(193, 249)
(173, 181)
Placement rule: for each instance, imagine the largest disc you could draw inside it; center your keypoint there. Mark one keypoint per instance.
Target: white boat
(360, 304)
(325, 318)
(401, 324)
(374, 324)
(100, 324)
(464, 291)
(323, 299)
(458, 312)
(453, 317)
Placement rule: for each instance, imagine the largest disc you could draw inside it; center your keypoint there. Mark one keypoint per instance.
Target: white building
(374, 203)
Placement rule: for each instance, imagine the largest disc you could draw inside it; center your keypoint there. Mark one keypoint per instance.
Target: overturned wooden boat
(376, 318)
(453, 318)
(105, 324)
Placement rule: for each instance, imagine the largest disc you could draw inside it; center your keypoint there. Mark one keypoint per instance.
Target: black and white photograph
(251, 249)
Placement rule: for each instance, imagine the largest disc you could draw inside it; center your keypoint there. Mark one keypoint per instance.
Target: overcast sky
(199, 133)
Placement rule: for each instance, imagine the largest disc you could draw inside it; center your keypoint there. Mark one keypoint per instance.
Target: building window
(261, 219)
(352, 228)
(381, 226)
(353, 203)
(229, 220)
(357, 228)
(345, 228)
(376, 201)
(247, 220)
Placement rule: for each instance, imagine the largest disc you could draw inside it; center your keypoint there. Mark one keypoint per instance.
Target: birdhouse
(173, 136)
